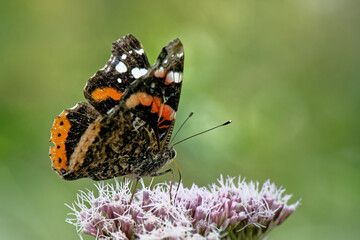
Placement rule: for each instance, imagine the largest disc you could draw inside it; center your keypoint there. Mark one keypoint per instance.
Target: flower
(227, 210)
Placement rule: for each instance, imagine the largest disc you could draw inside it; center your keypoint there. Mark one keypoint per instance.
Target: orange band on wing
(59, 134)
(155, 108)
(163, 110)
(132, 101)
(101, 94)
(167, 112)
(145, 99)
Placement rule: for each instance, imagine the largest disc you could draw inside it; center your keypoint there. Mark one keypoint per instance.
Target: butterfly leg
(178, 169)
(151, 182)
(133, 191)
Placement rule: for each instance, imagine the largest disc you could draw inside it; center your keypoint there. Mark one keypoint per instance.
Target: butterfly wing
(155, 96)
(66, 133)
(127, 63)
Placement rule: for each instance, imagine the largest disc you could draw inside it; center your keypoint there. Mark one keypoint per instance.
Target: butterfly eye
(172, 154)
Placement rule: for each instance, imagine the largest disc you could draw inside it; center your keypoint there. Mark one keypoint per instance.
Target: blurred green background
(286, 72)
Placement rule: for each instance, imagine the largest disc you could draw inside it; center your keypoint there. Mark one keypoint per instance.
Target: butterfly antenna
(224, 124)
(181, 126)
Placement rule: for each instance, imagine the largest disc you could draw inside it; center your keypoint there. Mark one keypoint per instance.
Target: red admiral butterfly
(125, 127)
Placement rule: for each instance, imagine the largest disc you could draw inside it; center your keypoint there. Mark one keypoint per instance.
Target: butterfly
(124, 128)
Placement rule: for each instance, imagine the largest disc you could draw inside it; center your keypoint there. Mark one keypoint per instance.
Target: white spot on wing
(180, 54)
(119, 80)
(130, 51)
(152, 85)
(165, 61)
(176, 77)
(121, 67)
(138, 72)
(123, 57)
(173, 77)
(139, 51)
(169, 77)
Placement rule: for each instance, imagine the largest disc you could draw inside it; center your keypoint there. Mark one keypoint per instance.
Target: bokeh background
(286, 72)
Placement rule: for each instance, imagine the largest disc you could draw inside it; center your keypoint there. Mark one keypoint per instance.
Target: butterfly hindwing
(128, 62)
(66, 133)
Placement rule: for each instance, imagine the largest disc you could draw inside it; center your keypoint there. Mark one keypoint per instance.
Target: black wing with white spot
(127, 63)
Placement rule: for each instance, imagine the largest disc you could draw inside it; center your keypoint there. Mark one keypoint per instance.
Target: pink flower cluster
(225, 210)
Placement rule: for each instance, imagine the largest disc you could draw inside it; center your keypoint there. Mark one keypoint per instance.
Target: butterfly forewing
(105, 88)
(155, 99)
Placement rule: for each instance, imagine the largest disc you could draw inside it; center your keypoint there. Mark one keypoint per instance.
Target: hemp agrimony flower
(227, 210)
